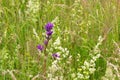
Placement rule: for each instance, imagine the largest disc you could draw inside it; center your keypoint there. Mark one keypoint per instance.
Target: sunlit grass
(80, 25)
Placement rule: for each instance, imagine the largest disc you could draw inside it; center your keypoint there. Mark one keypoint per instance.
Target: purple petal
(48, 26)
(40, 47)
(46, 42)
(49, 33)
(55, 55)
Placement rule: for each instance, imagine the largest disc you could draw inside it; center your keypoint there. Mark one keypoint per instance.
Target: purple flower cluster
(48, 28)
(40, 47)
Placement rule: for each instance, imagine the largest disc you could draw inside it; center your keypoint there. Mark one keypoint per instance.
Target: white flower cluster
(57, 45)
(87, 68)
(53, 69)
(89, 65)
(56, 66)
(32, 9)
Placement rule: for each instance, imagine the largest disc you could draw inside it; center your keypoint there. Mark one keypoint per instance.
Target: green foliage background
(80, 26)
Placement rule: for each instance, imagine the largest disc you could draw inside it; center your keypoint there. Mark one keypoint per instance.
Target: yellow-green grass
(80, 23)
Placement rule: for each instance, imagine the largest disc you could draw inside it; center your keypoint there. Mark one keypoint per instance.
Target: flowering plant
(43, 48)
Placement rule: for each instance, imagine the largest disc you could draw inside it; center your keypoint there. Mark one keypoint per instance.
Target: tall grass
(78, 23)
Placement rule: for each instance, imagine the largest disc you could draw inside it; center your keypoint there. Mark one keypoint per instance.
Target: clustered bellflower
(48, 28)
(49, 32)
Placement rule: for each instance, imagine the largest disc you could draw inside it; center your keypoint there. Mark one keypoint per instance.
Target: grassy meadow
(86, 36)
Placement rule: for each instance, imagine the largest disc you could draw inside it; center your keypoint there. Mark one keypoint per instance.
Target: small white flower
(86, 64)
(98, 55)
(87, 77)
(94, 58)
(30, 76)
(57, 42)
(91, 61)
(83, 67)
(60, 48)
(64, 55)
(91, 70)
(61, 78)
(75, 79)
(80, 75)
(73, 75)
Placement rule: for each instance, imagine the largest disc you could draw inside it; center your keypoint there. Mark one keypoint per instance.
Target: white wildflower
(57, 42)
(83, 67)
(80, 75)
(32, 10)
(91, 70)
(35, 33)
(73, 75)
(86, 64)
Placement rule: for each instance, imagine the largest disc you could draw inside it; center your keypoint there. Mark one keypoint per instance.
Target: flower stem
(45, 61)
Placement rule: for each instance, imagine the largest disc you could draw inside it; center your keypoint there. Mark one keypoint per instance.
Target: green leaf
(100, 69)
